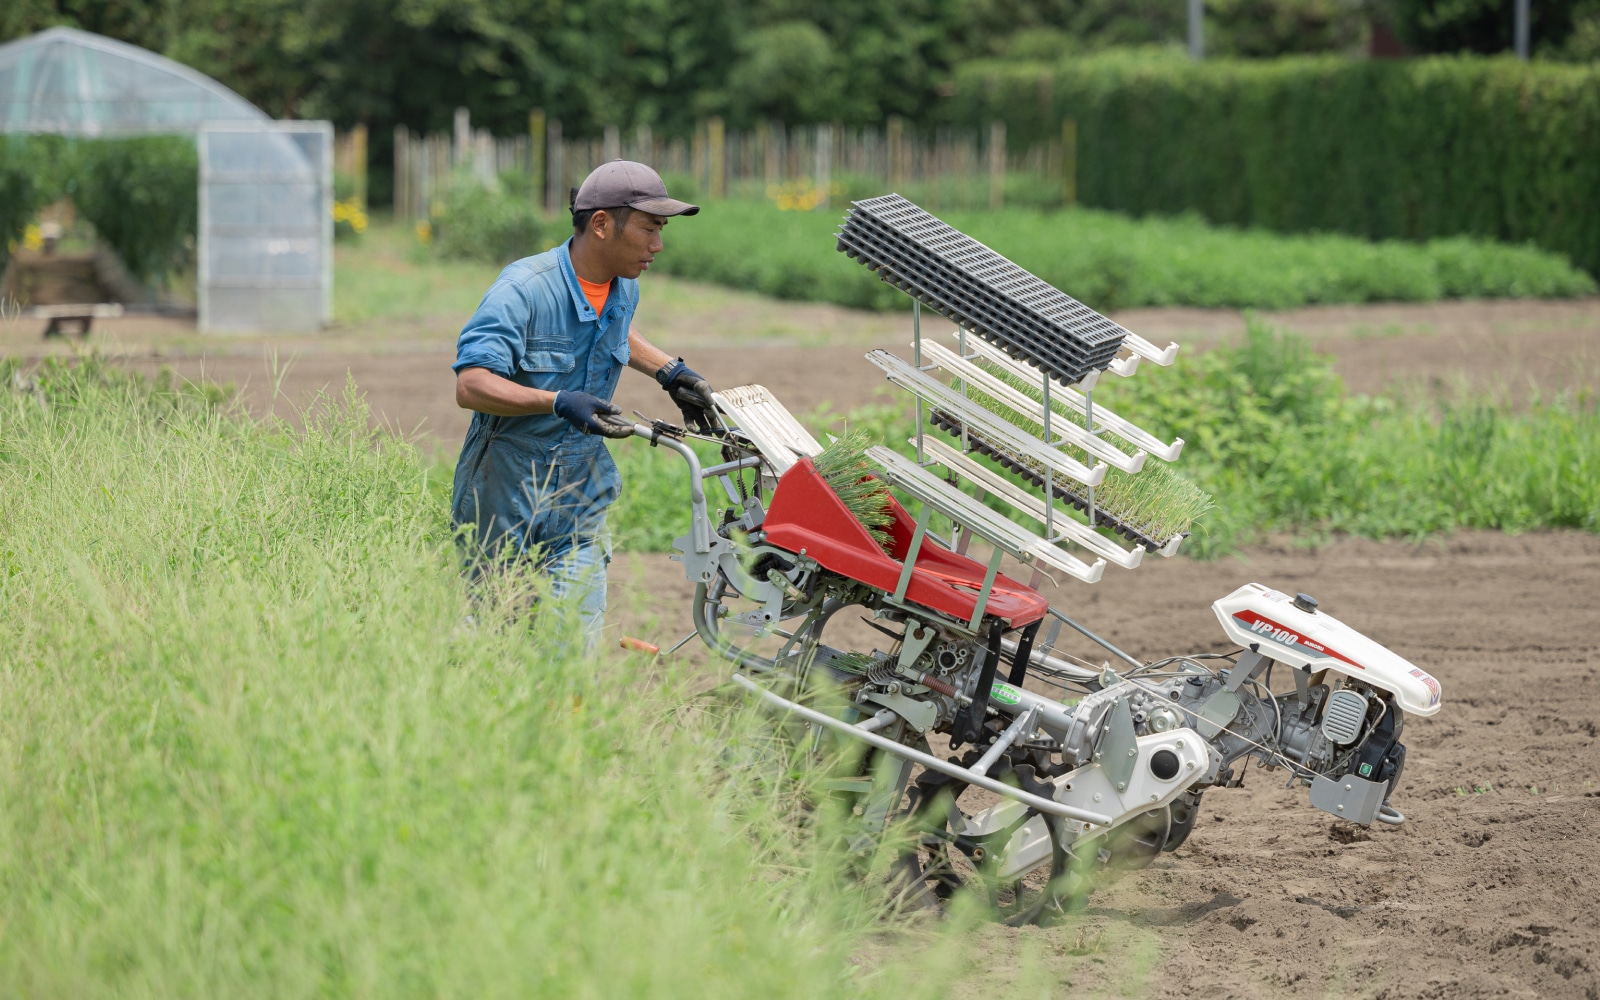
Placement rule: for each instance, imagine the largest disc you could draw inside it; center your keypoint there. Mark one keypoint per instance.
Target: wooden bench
(82, 315)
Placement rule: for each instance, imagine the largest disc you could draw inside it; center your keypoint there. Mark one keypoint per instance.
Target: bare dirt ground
(1490, 887)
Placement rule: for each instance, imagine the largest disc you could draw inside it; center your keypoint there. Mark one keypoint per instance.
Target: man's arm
(482, 390)
(644, 356)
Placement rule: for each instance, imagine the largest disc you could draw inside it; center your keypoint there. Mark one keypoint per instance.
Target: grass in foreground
(254, 746)
(1111, 261)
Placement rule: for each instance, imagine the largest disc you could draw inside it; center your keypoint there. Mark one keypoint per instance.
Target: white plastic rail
(991, 385)
(775, 432)
(997, 429)
(997, 486)
(980, 520)
(1103, 417)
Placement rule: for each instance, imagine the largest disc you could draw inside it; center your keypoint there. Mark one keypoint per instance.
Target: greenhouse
(265, 233)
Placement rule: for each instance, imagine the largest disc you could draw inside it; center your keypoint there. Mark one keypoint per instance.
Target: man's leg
(579, 572)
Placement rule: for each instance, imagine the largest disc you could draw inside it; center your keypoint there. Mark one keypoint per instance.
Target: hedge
(1408, 149)
(140, 194)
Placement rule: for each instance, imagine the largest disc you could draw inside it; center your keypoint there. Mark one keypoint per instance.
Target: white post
(1521, 30)
(1197, 29)
(823, 178)
(916, 354)
(463, 137)
(1049, 477)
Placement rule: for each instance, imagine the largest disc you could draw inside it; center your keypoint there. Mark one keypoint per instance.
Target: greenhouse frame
(264, 246)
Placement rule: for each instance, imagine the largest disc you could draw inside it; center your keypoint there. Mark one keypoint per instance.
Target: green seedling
(1157, 502)
(843, 466)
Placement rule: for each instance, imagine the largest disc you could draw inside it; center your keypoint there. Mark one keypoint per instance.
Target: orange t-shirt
(596, 294)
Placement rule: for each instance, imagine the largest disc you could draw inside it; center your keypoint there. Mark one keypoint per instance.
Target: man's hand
(591, 414)
(691, 392)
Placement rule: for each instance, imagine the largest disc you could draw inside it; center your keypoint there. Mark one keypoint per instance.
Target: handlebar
(700, 525)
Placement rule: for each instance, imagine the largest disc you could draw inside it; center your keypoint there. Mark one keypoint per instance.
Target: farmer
(538, 363)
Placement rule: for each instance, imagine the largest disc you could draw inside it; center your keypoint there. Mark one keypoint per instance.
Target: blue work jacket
(537, 481)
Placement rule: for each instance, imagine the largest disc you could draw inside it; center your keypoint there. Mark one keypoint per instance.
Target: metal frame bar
(923, 516)
(988, 588)
(927, 760)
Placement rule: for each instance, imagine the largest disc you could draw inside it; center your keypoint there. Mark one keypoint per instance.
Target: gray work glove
(591, 414)
(691, 393)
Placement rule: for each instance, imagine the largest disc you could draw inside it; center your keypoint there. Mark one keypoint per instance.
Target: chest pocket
(549, 368)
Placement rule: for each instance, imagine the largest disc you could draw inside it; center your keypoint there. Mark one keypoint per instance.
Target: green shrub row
(1383, 149)
(1272, 434)
(141, 194)
(1275, 437)
(471, 222)
(1111, 261)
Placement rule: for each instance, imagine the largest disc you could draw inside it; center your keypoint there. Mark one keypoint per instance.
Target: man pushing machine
(538, 362)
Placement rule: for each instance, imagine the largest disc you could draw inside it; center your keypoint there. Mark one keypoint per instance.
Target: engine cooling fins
(957, 276)
(1064, 489)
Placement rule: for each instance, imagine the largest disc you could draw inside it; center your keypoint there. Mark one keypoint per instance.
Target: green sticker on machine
(1366, 770)
(1005, 694)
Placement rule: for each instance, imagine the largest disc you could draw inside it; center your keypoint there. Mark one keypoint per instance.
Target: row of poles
(718, 159)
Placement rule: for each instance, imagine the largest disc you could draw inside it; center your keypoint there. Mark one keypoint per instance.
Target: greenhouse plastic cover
(266, 226)
(69, 82)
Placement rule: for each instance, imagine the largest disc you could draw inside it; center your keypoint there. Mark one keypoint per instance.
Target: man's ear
(601, 224)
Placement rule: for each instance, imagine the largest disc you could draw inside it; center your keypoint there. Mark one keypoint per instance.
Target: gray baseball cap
(624, 182)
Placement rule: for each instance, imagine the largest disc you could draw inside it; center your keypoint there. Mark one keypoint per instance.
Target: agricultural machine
(1006, 790)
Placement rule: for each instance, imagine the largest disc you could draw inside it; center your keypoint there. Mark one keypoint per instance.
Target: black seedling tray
(1060, 486)
(910, 271)
(966, 281)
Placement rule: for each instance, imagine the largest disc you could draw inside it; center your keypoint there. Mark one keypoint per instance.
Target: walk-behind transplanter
(1025, 794)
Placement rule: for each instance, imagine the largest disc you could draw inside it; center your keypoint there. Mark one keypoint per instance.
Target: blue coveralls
(537, 482)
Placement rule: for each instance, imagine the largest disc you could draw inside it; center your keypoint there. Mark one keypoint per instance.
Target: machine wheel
(1139, 841)
(945, 863)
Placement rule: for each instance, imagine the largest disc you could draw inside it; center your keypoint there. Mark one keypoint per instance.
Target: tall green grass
(1112, 261)
(257, 740)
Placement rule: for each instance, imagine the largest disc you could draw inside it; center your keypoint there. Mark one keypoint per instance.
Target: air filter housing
(1344, 716)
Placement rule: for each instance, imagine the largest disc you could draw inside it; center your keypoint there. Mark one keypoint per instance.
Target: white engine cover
(1255, 615)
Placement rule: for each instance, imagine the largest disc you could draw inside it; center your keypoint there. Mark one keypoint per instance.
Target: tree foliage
(663, 63)
(1559, 28)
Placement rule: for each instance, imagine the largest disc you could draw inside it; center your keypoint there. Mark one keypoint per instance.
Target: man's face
(630, 248)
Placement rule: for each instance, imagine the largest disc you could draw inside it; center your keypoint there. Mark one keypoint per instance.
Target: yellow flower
(424, 231)
(32, 237)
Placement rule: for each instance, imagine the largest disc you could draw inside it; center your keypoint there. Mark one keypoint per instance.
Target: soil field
(811, 355)
(1491, 888)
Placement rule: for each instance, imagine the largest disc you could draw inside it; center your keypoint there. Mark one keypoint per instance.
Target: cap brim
(665, 207)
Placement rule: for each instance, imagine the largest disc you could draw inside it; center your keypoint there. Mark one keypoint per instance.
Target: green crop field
(1112, 261)
(1281, 446)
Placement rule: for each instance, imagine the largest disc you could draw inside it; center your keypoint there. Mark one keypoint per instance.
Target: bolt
(1191, 765)
(1097, 796)
(1340, 807)
(1348, 786)
(1180, 744)
(1155, 798)
(1097, 756)
(1122, 786)
(1133, 753)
